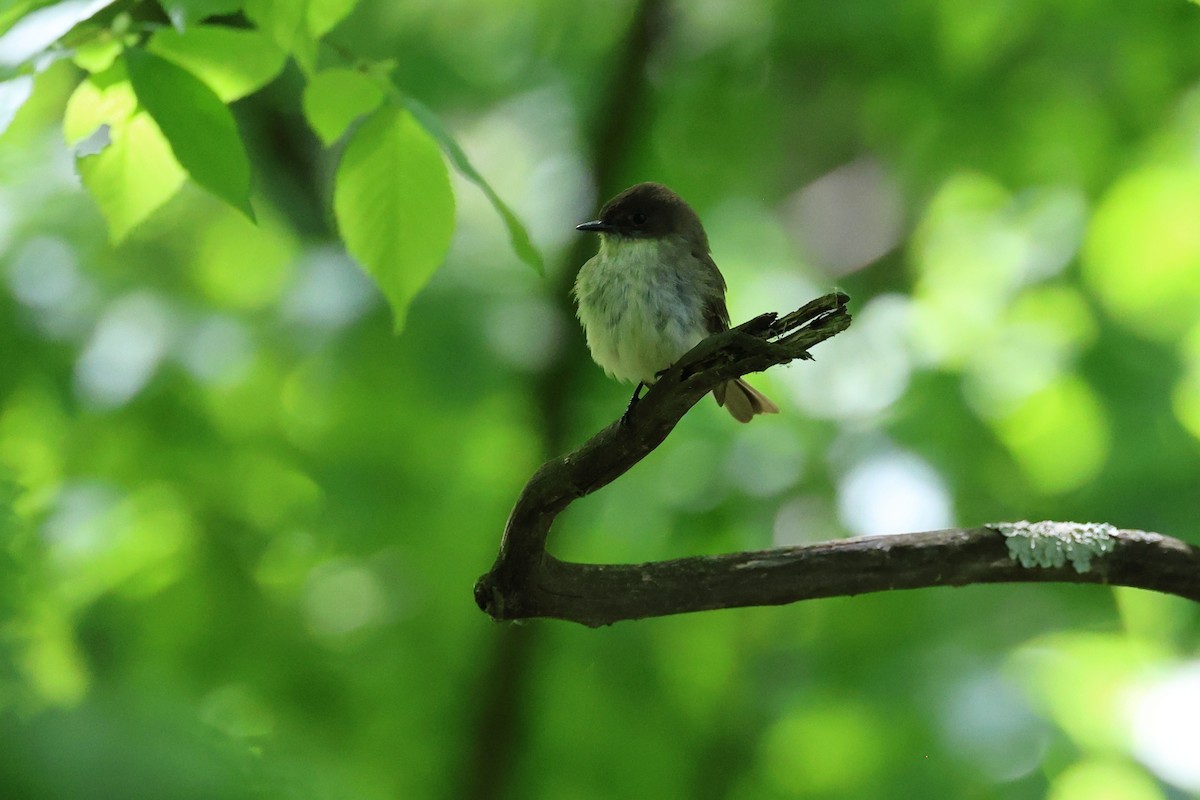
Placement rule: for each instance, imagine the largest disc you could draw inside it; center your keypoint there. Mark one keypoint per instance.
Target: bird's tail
(743, 401)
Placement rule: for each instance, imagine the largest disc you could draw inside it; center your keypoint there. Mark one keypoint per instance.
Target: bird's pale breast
(640, 312)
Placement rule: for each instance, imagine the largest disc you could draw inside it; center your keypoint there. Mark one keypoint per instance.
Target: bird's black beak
(595, 226)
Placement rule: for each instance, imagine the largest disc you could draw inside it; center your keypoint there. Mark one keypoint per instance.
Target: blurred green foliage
(240, 521)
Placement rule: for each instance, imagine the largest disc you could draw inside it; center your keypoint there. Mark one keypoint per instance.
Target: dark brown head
(647, 211)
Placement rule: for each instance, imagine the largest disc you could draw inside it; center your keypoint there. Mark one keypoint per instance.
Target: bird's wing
(716, 314)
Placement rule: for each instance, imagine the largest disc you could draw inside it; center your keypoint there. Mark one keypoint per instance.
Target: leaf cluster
(153, 111)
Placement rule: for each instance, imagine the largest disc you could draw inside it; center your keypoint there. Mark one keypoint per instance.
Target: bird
(652, 292)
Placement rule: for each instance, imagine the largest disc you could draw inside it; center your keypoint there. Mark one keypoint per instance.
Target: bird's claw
(627, 417)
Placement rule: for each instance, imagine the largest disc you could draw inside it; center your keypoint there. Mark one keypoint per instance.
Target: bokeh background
(241, 520)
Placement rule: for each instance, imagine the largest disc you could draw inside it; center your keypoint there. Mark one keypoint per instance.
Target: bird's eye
(638, 219)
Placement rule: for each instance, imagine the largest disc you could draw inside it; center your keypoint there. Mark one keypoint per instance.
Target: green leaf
(12, 11)
(394, 205)
(102, 99)
(295, 25)
(286, 23)
(324, 15)
(518, 236)
(184, 13)
(336, 97)
(98, 53)
(199, 127)
(134, 175)
(39, 29)
(13, 94)
(232, 62)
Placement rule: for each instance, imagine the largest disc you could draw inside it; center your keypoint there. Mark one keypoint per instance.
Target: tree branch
(598, 594)
(525, 581)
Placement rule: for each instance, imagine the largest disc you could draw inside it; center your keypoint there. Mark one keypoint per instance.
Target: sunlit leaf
(184, 13)
(394, 205)
(323, 15)
(13, 94)
(232, 62)
(286, 23)
(102, 99)
(517, 234)
(42, 28)
(336, 97)
(295, 25)
(134, 175)
(97, 54)
(199, 127)
(12, 11)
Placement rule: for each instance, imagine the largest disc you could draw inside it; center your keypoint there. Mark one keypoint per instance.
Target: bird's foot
(626, 418)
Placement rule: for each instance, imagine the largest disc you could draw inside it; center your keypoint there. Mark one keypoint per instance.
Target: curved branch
(526, 582)
(751, 347)
(597, 594)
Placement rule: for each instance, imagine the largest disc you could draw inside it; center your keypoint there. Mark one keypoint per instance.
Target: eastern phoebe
(653, 292)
